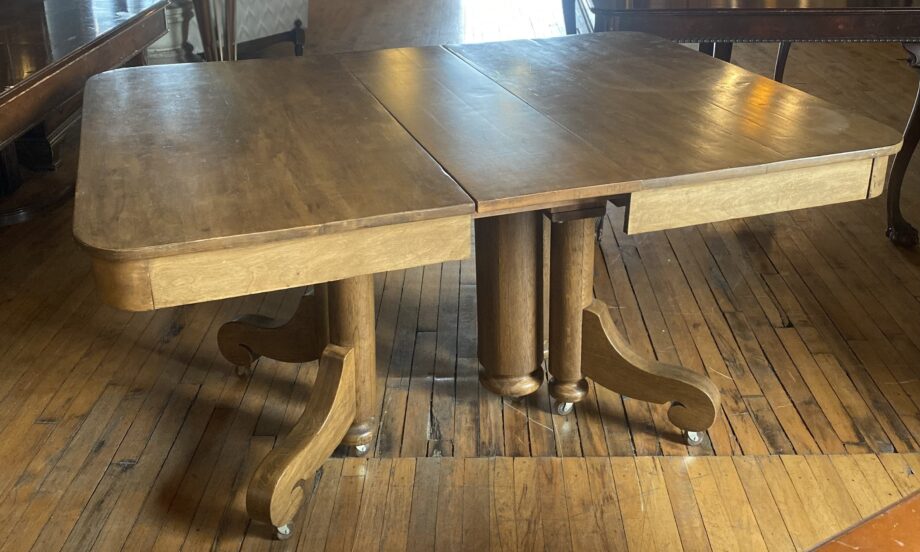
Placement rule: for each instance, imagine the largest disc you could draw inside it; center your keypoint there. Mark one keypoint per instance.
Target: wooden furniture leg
(570, 292)
(351, 324)
(300, 339)
(568, 15)
(899, 230)
(206, 29)
(782, 54)
(723, 51)
(605, 356)
(276, 490)
(508, 270)
(336, 325)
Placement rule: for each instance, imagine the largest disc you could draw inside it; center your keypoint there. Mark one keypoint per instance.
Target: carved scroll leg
(899, 230)
(610, 362)
(276, 491)
(300, 339)
(585, 342)
(341, 407)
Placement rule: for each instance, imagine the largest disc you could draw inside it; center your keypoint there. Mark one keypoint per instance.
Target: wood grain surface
(208, 165)
(647, 112)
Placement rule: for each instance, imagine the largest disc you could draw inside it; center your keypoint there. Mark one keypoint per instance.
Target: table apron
(767, 27)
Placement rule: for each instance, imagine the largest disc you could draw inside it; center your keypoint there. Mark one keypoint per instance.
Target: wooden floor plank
(686, 511)
(395, 528)
(904, 475)
(802, 524)
(424, 510)
(765, 508)
(347, 506)
(502, 509)
(527, 491)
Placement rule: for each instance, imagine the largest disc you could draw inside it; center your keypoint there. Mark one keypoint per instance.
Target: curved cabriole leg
(276, 490)
(609, 361)
(300, 339)
(899, 230)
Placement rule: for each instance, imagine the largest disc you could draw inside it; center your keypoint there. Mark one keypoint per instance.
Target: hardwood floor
(129, 431)
(641, 503)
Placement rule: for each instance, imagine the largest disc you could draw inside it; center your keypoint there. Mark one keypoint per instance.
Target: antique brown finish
(305, 185)
(715, 122)
(786, 22)
(300, 339)
(571, 121)
(666, 207)
(728, 117)
(351, 324)
(277, 489)
(570, 292)
(170, 280)
(269, 211)
(508, 268)
(608, 360)
(318, 216)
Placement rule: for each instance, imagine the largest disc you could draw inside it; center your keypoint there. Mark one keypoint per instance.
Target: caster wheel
(563, 408)
(694, 438)
(244, 371)
(361, 450)
(284, 532)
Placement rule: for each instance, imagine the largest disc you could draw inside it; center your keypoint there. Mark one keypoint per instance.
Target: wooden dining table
(375, 161)
(717, 24)
(48, 50)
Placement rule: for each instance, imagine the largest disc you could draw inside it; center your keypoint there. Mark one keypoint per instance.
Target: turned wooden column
(508, 271)
(570, 292)
(351, 324)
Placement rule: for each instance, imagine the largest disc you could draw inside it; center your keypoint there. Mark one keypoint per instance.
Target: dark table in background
(717, 24)
(48, 49)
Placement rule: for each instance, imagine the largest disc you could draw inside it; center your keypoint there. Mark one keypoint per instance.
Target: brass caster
(563, 408)
(694, 438)
(361, 450)
(284, 532)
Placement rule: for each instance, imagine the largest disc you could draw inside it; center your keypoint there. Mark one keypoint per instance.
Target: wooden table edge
(258, 238)
(591, 194)
(141, 284)
(13, 125)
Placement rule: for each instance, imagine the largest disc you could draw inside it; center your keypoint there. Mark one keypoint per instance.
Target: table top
(520, 125)
(753, 5)
(35, 34)
(538, 123)
(244, 153)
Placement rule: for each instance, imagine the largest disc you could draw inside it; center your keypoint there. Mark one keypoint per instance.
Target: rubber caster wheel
(563, 408)
(361, 450)
(694, 438)
(244, 371)
(284, 532)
